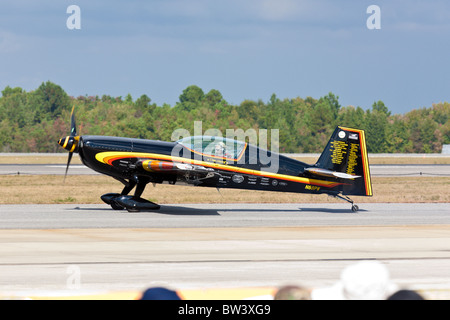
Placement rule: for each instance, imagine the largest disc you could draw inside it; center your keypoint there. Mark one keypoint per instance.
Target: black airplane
(341, 170)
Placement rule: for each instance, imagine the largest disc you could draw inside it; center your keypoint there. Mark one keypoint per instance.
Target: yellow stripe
(75, 143)
(366, 164)
(65, 142)
(104, 157)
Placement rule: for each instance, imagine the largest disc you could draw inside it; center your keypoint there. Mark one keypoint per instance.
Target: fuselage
(242, 166)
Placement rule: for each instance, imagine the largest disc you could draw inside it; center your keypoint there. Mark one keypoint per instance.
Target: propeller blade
(73, 125)
(68, 163)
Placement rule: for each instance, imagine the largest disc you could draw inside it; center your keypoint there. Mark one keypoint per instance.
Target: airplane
(205, 161)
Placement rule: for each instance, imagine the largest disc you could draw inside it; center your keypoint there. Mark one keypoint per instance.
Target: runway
(70, 250)
(75, 216)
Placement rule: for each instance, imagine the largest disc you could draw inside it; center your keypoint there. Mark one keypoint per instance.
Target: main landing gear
(355, 208)
(121, 201)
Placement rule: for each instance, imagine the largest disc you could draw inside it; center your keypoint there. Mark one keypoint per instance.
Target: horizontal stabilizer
(329, 173)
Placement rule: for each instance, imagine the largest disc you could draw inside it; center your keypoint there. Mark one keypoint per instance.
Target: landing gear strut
(355, 208)
(131, 203)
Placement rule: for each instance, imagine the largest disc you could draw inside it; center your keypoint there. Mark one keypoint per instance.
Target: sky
(246, 49)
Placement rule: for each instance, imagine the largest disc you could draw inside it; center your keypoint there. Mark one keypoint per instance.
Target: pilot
(220, 149)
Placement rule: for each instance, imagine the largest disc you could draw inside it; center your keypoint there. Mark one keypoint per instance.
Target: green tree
(351, 117)
(377, 128)
(49, 101)
(399, 136)
(333, 103)
(213, 97)
(143, 102)
(379, 106)
(14, 107)
(8, 91)
(190, 98)
(129, 99)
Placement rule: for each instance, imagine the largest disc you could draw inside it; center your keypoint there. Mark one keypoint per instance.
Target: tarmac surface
(94, 251)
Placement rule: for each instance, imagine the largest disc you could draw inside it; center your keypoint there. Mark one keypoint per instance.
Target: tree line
(34, 121)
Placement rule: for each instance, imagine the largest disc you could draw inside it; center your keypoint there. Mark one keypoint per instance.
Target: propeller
(70, 142)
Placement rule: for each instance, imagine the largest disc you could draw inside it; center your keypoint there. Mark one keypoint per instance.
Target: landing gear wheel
(355, 208)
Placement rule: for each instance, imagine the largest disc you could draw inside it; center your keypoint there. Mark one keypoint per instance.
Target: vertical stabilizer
(346, 153)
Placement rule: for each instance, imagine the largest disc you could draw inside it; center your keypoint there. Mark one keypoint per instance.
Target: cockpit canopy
(216, 147)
